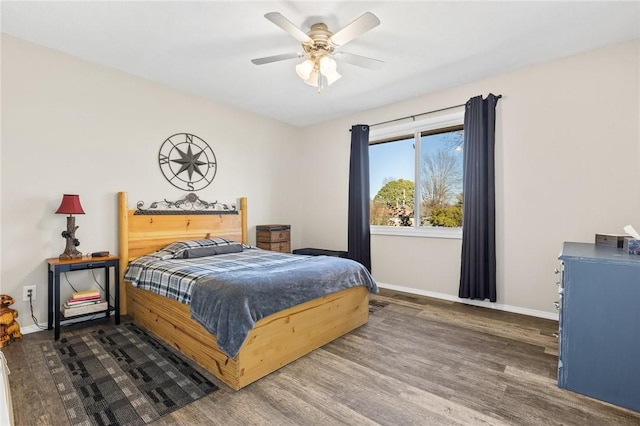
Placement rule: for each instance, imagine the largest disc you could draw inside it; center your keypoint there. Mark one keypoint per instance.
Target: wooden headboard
(142, 234)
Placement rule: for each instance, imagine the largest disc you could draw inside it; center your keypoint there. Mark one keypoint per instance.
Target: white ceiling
(206, 47)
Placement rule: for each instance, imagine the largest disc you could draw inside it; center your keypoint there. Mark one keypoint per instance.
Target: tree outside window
(440, 161)
(441, 179)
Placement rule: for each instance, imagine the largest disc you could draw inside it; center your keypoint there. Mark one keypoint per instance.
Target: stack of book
(84, 302)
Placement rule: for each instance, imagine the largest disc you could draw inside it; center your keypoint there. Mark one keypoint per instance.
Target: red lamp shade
(70, 205)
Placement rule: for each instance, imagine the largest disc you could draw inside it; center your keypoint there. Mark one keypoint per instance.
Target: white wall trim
(443, 296)
(481, 303)
(417, 231)
(33, 328)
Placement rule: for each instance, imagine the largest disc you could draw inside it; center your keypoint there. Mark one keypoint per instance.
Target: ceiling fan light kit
(305, 68)
(319, 67)
(318, 71)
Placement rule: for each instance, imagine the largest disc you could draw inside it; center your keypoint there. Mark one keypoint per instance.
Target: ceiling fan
(320, 48)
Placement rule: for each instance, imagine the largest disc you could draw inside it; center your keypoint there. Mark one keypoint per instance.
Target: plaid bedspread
(229, 293)
(174, 278)
(230, 304)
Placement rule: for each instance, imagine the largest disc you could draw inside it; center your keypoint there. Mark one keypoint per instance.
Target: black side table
(55, 266)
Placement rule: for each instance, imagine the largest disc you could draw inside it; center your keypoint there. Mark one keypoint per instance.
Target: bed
(274, 340)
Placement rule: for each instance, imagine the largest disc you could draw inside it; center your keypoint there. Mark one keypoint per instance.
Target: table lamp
(70, 205)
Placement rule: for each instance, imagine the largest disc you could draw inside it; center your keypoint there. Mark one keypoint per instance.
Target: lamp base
(75, 254)
(70, 251)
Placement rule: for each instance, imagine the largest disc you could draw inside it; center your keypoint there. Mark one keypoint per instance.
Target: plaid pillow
(161, 255)
(212, 250)
(178, 248)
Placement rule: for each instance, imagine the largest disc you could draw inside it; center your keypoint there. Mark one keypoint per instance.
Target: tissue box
(610, 240)
(631, 246)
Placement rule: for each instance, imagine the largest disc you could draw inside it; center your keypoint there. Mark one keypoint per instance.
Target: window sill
(422, 232)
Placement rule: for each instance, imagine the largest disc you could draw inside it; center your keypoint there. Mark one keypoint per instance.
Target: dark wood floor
(418, 361)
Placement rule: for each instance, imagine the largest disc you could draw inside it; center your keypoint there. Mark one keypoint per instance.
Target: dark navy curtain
(359, 244)
(478, 266)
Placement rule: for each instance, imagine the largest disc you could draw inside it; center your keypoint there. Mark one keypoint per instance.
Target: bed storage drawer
(274, 237)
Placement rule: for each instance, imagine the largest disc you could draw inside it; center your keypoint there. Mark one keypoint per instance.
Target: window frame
(417, 127)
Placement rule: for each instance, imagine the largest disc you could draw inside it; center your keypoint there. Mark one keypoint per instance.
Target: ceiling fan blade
(361, 25)
(276, 58)
(286, 25)
(361, 61)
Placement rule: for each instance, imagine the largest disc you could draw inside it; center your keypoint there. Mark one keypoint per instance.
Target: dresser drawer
(282, 247)
(273, 235)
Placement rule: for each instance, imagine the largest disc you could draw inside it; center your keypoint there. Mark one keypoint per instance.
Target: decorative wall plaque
(187, 162)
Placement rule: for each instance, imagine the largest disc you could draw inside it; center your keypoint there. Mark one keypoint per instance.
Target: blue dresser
(599, 329)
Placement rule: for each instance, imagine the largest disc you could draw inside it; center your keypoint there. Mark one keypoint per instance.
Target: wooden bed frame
(275, 340)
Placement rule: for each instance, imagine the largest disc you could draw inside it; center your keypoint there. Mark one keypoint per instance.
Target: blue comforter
(229, 304)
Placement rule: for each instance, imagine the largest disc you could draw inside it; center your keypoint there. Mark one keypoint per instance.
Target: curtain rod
(422, 113)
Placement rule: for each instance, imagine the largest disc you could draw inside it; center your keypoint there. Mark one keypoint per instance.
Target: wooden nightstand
(274, 237)
(55, 266)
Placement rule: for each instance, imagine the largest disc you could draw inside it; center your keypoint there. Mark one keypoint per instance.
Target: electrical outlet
(25, 293)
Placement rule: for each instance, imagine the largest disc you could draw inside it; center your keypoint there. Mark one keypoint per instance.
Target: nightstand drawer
(282, 247)
(273, 233)
(273, 236)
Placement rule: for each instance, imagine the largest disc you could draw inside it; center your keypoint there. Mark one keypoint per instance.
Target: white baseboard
(443, 296)
(33, 328)
(481, 303)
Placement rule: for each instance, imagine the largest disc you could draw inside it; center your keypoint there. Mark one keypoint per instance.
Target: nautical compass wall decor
(187, 162)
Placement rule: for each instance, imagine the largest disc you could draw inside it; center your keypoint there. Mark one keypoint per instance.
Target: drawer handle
(556, 271)
(556, 335)
(557, 305)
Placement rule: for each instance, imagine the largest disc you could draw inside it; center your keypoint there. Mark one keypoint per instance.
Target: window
(429, 152)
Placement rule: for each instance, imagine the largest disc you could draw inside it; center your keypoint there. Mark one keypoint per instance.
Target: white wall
(567, 155)
(69, 126)
(567, 150)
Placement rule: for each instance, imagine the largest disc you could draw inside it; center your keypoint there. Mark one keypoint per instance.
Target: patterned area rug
(121, 376)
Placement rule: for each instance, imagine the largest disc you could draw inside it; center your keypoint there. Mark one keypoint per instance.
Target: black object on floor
(320, 252)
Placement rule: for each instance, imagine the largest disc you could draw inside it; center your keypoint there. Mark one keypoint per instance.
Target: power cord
(33, 317)
(111, 297)
(69, 282)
